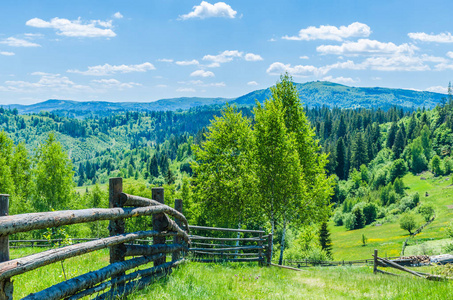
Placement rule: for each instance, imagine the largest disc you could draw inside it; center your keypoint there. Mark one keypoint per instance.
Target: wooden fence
(255, 247)
(112, 277)
(316, 263)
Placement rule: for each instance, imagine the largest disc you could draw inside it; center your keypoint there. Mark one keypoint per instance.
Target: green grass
(201, 281)
(389, 237)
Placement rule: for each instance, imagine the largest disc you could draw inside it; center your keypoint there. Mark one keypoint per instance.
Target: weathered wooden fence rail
(120, 244)
(316, 263)
(219, 249)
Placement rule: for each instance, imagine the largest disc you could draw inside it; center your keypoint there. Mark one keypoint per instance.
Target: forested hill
(320, 93)
(313, 94)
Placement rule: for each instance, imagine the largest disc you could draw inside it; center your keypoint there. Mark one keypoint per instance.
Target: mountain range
(312, 94)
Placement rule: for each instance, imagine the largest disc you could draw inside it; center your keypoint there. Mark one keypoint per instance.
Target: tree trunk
(282, 246)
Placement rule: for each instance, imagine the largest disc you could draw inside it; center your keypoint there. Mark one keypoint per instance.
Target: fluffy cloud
(186, 90)
(118, 15)
(106, 69)
(14, 42)
(225, 56)
(208, 10)
(230, 55)
(47, 82)
(366, 46)
(396, 63)
(304, 57)
(450, 54)
(6, 53)
(202, 73)
(252, 57)
(252, 83)
(113, 83)
(341, 79)
(437, 38)
(278, 68)
(75, 28)
(165, 60)
(187, 62)
(438, 89)
(324, 32)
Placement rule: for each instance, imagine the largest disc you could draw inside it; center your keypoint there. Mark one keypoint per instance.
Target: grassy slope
(389, 237)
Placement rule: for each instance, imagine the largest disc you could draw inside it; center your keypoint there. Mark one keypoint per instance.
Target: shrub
(316, 255)
(359, 216)
(407, 222)
(436, 165)
(338, 218)
(450, 230)
(427, 211)
(397, 169)
(379, 178)
(349, 221)
(381, 213)
(370, 212)
(398, 186)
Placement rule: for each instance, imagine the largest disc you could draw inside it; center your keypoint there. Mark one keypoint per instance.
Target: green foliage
(409, 202)
(397, 170)
(417, 158)
(364, 240)
(436, 165)
(324, 239)
(360, 219)
(53, 177)
(370, 211)
(426, 210)
(338, 218)
(349, 221)
(449, 230)
(408, 222)
(225, 180)
(398, 186)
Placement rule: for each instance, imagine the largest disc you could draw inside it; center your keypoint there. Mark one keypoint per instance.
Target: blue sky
(149, 50)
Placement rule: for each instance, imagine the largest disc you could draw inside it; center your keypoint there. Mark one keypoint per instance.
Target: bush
(316, 255)
(398, 186)
(409, 202)
(349, 221)
(359, 216)
(370, 212)
(426, 210)
(381, 213)
(379, 178)
(338, 218)
(407, 222)
(397, 169)
(449, 230)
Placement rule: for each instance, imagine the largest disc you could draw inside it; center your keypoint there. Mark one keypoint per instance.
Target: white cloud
(168, 60)
(252, 57)
(7, 53)
(341, 79)
(304, 57)
(186, 90)
(202, 73)
(162, 86)
(225, 56)
(252, 83)
(438, 89)
(278, 68)
(450, 54)
(14, 42)
(203, 84)
(187, 62)
(118, 15)
(108, 69)
(113, 83)
(75, 28)
(326, 32)
(366, 46)
(444, 66)
(396, 63)
(437, 38)
(271, 40)
(47, 82)
(208, 10)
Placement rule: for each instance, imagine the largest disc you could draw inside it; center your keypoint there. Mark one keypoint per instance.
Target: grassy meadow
(388, 238)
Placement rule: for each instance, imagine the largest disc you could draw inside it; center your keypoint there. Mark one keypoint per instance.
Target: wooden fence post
(158, 223)
(260, 251)
(116, 227)
(6, 286)
(176, 239)
(375, 261)
(269, 249)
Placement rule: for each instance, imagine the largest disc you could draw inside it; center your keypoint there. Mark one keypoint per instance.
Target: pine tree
(391, 135)
(324, 239)
(359, 152)
(340, 169)
(399, 144)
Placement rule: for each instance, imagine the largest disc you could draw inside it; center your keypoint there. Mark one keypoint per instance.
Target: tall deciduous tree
(224, 178)
(53, 176)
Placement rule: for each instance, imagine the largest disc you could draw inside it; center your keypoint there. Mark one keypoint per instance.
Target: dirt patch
(450, 206)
